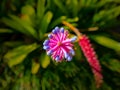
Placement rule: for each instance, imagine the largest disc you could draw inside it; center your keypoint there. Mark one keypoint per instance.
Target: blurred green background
(24, 24)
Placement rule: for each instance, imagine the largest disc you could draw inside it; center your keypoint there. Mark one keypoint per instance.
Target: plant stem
(74, 29)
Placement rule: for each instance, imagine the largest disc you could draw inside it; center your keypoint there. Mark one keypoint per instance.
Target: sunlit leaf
(113, 64)
(58, 21)
(26, 18)
(17, 55)
(4, 30)
(28, 10)
(107, 42)
(45, 60)
(25, 25)
(45, 22)
(40, 8)
(104, 15)
(35, 67)
(14, 25)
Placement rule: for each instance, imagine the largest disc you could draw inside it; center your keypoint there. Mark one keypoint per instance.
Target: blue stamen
(62, 30)
(66, 55)
(49, 52)
(46, 47)
(46, 42)
(69, 58)
(72, 52)
(53, 31)
(73, 39)
(57, 58)
(50, 36)
(56, 30)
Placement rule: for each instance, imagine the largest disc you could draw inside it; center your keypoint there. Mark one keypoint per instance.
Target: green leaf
(58, 21)
(61, 6)
(23, 83)
(71, 20)
(78, 52)
(28, 10)
(17, 55)
(45, 60)
(13, 43)
(88, 2)
(74, 7)
(35, 83)
(107, 42)
(4, 30)
(45, 22)
(40, 8)
(113, 64)
(35, 67)
(25, 25)
(14, 25)
(27, 19)
(82, 3)
(102, 3)
(107, 14)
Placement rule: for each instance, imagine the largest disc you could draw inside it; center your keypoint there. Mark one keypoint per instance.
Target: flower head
(59, 46)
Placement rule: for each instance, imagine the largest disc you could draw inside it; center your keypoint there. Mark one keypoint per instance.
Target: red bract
(93, 61)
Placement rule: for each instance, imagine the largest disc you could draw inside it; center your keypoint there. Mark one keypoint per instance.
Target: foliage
(24, 25)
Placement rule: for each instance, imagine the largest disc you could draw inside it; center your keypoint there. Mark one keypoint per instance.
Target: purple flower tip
(73, 39)
(46, 47)
(62, 30)
(66, 55)
(57, 58)
(50, 36)
(59, 46)
(56, 30)
(72, 52)
(49, 52)
(69, 58)
(46, 42)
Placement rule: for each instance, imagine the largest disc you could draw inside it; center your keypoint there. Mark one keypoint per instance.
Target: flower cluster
(90, 54)
(59, 46)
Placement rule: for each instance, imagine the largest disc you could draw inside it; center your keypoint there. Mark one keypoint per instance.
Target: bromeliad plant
(24, 26)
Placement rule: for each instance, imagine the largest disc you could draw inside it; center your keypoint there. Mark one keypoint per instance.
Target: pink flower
(93, 61)
(59, 46)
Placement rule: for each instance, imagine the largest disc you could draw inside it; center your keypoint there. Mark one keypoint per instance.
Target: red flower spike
(93, 61)
(89, 53)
